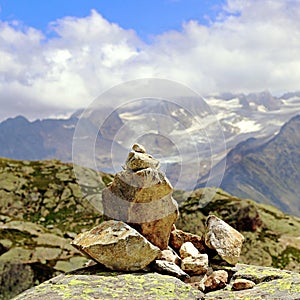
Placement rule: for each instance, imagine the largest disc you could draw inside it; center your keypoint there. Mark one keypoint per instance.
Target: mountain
(21, 139)
(268, 172)
(189, 137)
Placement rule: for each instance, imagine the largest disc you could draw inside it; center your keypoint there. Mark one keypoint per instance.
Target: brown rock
(139, 160)
(188, 250)
(117, 246)
(224, 239)
(195, 265)
(242, 284)
(215, 281)
(178, 237)
(199, 285)
(138, 148)
(141, 196)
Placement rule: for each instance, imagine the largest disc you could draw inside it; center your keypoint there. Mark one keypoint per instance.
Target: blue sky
(57, 56)
(146, 17)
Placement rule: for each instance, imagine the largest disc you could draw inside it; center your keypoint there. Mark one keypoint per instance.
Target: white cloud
(252, 46)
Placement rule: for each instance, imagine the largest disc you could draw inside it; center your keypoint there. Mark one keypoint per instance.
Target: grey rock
(178, 237)
(139, 160)
(169, 268)
(14, 278)
(91, 283)
(171, 256)
(195, 265)
(117, 246)
(223, 238)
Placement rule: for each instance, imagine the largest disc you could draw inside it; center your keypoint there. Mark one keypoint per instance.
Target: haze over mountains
(265, 168)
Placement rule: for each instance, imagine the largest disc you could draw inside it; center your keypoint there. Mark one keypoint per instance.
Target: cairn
(140, 230)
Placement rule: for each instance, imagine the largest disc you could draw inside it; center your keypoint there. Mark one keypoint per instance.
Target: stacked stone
(140, 202)
(141, 196)
(142, 233)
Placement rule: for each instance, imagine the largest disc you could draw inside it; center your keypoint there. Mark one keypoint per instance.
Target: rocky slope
(271, 237)
(267, 172)
(42, 208)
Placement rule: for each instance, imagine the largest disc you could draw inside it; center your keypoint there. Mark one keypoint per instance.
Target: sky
(57, 56)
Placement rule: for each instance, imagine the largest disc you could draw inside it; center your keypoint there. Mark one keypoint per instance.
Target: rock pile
(141, 196)
(141, 232)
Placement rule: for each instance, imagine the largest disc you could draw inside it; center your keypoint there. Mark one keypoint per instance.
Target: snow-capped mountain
(188, 136)
(267, 172)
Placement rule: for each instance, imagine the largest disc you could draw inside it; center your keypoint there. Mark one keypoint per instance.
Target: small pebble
(138, 148)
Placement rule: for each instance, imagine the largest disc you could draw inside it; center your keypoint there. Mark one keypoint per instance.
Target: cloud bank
(251, 46)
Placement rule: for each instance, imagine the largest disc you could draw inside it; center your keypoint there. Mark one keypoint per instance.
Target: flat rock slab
(117, 246)
(112, 285)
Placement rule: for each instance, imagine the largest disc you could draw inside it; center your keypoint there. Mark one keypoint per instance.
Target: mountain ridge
(254, 119)
(267, 172)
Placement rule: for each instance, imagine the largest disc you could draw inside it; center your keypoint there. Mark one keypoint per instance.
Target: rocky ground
(272, 238)
(42, 208)
(98, 283)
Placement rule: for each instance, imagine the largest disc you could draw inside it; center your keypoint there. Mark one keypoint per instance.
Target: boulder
(141, 196)
(96, 283)
(224, 239)
(117, 246)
